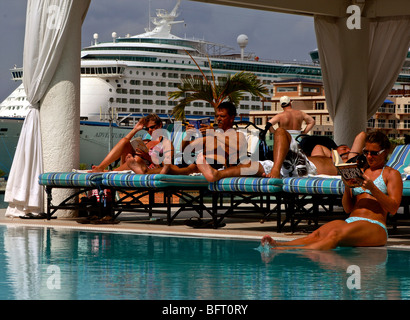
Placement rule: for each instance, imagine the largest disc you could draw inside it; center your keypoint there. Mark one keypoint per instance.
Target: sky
(275, 36)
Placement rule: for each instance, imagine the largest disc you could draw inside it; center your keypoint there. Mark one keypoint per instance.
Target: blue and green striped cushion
(406, 188)
(247, 184)
(70, 179)
(314, 185)
(400, 158)
(132, 180)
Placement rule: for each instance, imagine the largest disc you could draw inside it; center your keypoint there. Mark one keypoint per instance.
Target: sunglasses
(152, 127)
(372, 153)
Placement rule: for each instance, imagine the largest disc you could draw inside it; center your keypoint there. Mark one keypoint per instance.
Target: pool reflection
(96, 265)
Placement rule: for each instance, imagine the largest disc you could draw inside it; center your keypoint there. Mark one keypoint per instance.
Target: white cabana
(47, 30)
(359, 68)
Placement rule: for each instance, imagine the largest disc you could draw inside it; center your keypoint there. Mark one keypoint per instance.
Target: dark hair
(228, 106)
(380, 138)
(153, 117)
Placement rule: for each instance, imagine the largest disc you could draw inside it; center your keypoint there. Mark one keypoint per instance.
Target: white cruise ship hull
(94, 141)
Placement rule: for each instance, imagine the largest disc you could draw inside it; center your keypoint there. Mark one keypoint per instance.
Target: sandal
(198, 223)
(36, 216)
(105, 220)
(88, 220)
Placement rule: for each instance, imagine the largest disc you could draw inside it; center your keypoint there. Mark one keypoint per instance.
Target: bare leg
(123, 147)
(281, 146)
(173, 169)
(309, 239)
(212, 174)
(337, 233)
(136, 164)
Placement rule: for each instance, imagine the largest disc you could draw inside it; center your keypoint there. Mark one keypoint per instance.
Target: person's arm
(138, 127)
(348, 200)
(310, 123)
(358, 145)
(274, 120)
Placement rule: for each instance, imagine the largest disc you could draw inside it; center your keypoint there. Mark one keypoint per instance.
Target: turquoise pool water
(44, 263)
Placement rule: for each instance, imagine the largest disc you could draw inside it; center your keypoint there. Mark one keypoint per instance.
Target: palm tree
(200, 88)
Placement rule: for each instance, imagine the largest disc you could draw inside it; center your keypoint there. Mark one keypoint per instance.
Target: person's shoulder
(391, 172)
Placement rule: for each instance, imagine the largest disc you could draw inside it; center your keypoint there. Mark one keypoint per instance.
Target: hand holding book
(351, 174)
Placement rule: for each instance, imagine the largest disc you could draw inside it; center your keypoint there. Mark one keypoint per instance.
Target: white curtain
(46, 31)
(388, 47)
(359, 67)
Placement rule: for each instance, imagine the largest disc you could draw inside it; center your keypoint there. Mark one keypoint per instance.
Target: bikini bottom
(353, 219)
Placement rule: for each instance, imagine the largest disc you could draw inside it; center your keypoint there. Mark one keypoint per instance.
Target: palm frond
(233, 89)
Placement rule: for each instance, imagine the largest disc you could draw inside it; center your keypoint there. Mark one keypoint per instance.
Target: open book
(197, 122)
(350, 172)
(139, 144)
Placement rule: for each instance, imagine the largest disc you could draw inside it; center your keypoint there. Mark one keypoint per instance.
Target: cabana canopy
(361, 53)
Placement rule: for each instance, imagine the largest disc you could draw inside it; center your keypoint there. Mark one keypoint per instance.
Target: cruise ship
(128, 77)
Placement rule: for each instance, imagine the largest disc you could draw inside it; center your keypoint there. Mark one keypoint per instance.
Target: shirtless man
(221, 148)
(291, 119)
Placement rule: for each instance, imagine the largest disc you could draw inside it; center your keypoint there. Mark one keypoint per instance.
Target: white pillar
(60, 111)
(351, 110)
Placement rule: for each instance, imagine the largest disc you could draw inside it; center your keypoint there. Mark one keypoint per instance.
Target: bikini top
(379, 183)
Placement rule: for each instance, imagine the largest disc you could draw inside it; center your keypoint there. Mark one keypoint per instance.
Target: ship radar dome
(242, 40)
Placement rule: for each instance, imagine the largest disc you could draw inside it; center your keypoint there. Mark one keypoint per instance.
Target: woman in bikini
(135, 159)
(368, 206)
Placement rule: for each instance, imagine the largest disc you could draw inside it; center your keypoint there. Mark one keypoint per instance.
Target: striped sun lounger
(83, 182)
(261, 196)
(156, 193)
(311, 193)
(399, 160)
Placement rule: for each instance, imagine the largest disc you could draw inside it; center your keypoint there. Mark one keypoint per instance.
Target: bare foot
(204, 167)
(96, 169)
(268, 240)
(165, 169)
(273, 174)
(136, 164)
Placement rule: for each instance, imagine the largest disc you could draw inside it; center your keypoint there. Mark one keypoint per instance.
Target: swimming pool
(46, 263)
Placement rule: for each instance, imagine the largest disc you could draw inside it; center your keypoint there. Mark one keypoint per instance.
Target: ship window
(4, 129)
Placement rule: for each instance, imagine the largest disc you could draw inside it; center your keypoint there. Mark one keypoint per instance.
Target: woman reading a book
(138, 154)
(368, 205)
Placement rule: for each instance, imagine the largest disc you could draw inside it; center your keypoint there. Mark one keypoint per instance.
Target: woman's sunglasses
(152, 127)
(372, 153)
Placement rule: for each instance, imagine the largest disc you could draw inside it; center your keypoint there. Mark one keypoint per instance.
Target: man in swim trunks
(291, 119)
(368, 206)
(222, 148)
